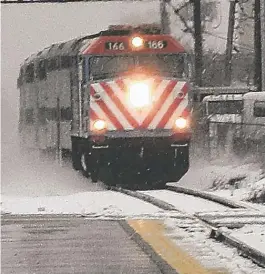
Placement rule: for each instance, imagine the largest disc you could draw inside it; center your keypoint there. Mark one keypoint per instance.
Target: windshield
(171, 65)
(225, 107)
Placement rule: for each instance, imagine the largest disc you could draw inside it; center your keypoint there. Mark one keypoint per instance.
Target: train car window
(66, 114)
(53, 64)
(74, 61)
(259, 109)
(47, 114)
(29, 73)
(66, 61)
(29, 116)
(225, 107)
(42, 115)
(52, 114)
(41, 70)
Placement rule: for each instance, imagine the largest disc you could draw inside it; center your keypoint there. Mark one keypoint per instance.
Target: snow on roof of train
(259, 95)
(223, 97)
(70, 47)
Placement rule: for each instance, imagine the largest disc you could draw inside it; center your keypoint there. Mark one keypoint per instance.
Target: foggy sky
(27, 29)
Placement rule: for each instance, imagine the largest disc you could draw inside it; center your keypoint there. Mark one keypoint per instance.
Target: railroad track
(227, 217)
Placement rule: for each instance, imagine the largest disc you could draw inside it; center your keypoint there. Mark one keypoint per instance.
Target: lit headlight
(99, 125)
(181, 123)
(137, 42)
(139, 95)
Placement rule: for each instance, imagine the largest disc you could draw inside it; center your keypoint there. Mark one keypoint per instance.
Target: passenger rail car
(252, 138)
(119, 100)
(240, 116)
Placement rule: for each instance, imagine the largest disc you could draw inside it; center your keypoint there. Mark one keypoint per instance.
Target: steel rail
(207, 196)
(244, 250)
(216, 233)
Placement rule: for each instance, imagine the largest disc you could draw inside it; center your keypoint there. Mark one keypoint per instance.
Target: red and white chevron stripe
(169, 101)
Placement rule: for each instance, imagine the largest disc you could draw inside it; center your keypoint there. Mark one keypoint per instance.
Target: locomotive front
(138, 105)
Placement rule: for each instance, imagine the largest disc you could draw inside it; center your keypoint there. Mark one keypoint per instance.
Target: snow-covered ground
(194, 238)
(39, 25)
(33, 186)
(248, 234)
(239, 179)
(186, 203)
(91, 204)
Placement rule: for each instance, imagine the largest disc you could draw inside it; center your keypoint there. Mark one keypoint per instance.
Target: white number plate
(115, 46)
(159, 44)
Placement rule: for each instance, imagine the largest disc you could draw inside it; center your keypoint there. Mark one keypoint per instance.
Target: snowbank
(258, 192)
(233, 178)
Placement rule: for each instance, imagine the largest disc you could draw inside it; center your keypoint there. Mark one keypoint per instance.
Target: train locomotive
(118, 101)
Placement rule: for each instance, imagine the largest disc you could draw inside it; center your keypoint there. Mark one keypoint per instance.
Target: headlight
(137, 42)
(139, 95)
(181, 123)
(99, 125)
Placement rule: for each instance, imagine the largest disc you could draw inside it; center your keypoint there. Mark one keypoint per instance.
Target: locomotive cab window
(109, 66)
(171, 65)
(168, 65)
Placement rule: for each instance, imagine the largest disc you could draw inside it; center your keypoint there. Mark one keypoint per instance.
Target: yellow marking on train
(153, 232)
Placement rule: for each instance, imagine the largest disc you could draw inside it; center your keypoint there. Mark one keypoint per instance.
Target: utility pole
(257, 45)
(165, 23)
(197, 41)
(262, 27)
(229, 43)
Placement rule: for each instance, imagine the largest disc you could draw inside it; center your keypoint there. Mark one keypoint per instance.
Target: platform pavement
(72, 244)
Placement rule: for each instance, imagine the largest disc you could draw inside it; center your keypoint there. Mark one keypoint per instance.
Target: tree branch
(182, 18)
